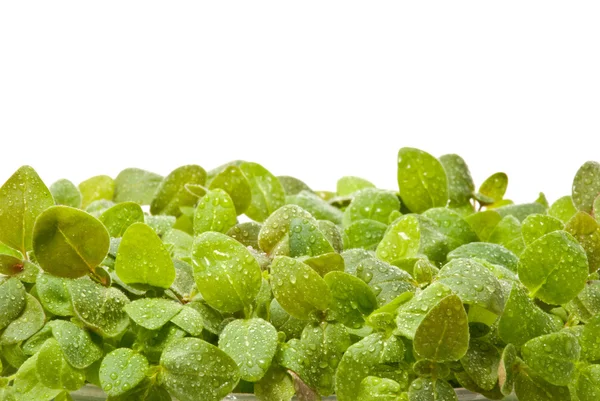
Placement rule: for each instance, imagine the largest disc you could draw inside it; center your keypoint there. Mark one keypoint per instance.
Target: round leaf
(152, 313)
(553, 357)
(538, 225)
(54, 371)
(100, 187)
(171, 193)
(586, 186)
(215, 212)
(119, 217)
(121, 370)
(428, 389)
(494, 186)
(267, 192)
(54, 294)
(233, 181)
(12, 300)
(352, 299)
(136, 185)
(78, 348)
(29, 322)
(65, 193)
(460, 182)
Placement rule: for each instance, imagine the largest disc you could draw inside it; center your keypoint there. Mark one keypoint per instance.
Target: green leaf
(530, 387)
(35, 342)
(78, 348)
(349, 184)
(306, 239)
(152, 313)
(211, 319)
(284, 322)
(586, 186)
(585, 229)
(190, 320)
(298, 288)
(233, 181)
(246, 233)
(366, 234)
(171, 193)
(292, 185)
(325, 263)
(481, 363)
(427, 389)
(412, 313)
(276, 385)
(484, 223)
(100, 308)
(538, 225)
(12, 300)
(507, 369)
(587, 303)
(457, 231)
(226, 273)
(402, 240)
(587, 383)
(274, 233)
(143, 259)
(521, 211)
(28, 386)
(152, 343)
(22, 198)
(267, 192)
(473, 283)
(460, 182)
(422, 180)
(316, 206)
(193, 369)
(522, 320)
(179, 244)
(352, 298)
(160, 224)
(96, 188)
(371, 204)
(65, 193)
(554, 268)
(508, 233)
(386, 281)
(54, 371)
(54, 294)
(377, 389)
(493, 253)
(136, 185)
(588, 339)
(494, 186)
(251, 344)
(119, 217)
(553, 357)
(122, 370)
(215, 212)
(443, 334)
(31, 319)
(96, 208)
(563, 209)
(69, 242)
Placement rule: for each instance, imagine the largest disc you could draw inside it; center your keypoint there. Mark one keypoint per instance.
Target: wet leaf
(326, 263)
(54, 371)
(521, 211)
(119, 217)
(12, 300)
(251, 344)
(554, 268)
(77, 346)
(484, 223)
(246, 233)
(493, 253)
(522, 320)
(494, 186)
(443, 334)
(306, 239)
(292, 185)
(412, 313)
(276, 385)
(160, 224)
(349, 184)
(587, 303)
(386, 281)
(553, 357)
(563, 209)
(460, 182)
(352, 298)
(69, 242)
(22, 198)
(508, 233)
(31, 319)
(587, 384)
(152, 313)
(371, 204)
(481, 363)
(96, 188)
(298, 288)
(507, 369)
(28, 386)
(143, 259)
(226, 273)
(190, 320)
(457, 231)
(274, 233)
(530, 387)
(193, 369)
(585, 229)
(171, 193)
(366, 234)
(65, 193)
(586, 186)
(215, 212)
(316, 206)
(284, 322)
(54, 294)
(588, 339)
(538, 225)
(122, 370)
(427, 389)
(377, 389)
(136, 185)
(267, 192)
(233, 181)
(422, 180)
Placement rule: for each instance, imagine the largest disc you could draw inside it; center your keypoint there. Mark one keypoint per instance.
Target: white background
(315, 89)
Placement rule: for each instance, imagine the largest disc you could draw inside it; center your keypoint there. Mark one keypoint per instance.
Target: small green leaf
(521, 211)
(190, 320)
(522, 320)
(12, 300)
(69, 242)
(553, 357)
(274, 233)
(29, 322)
(587, 383)
(226, 273)
(152, 313)
(422, 180)
(215, 212)
(386, 281)
(292, 185)
(587, 303)
(100, 308)
(554, 268)
(78, 348)
(246, 233)
(326, 263)
(352, 298)
(563, 209)
(119, 217)
(28, 386)
(143, 259)
(96, 208)
(494, 186)
(508, 233)
(481, 363)
(122, 370)
(65, 193)
(427, 389)
(193, 369)
(349, 184)
(530, 387)
(316, 206)
(233, 181)
(306, 239)
(160, 224)
(460, 182)
(171, 193)
(588, 339)
(585, 229)
(267, 192)
(457, 231)
(586, 186)
(251, 344)
(371, 204)
(211, 319)
(377, 389)
(366, 234)
(443, 334)
(136, 185)
(401, 241)
(54, 294)
(484, 223)
(276, 385)
(96, 188)
(412, 313)
(507, 369)
(284, 322)
(493, 253)
(298, 288)
(22, 198)
(54, 371)
(538, 225)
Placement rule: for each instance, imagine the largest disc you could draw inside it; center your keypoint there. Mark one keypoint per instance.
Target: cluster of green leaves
(153, 287)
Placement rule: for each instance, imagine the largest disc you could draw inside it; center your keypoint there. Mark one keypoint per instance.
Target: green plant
(150, 287)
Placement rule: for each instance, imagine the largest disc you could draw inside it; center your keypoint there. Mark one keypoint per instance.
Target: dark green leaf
(352, 299)
(386, 281)
(530, 387)
(460, 182)
(267, 192)
(54, 371)
(246, 233)
(12, 300)
(122, 370)
(481, 363)
(587, 384)
(553, 357)
(507, 369)
(171, 193)
(412, 313)
(31, 319)
(65, 193)
(78, 348)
